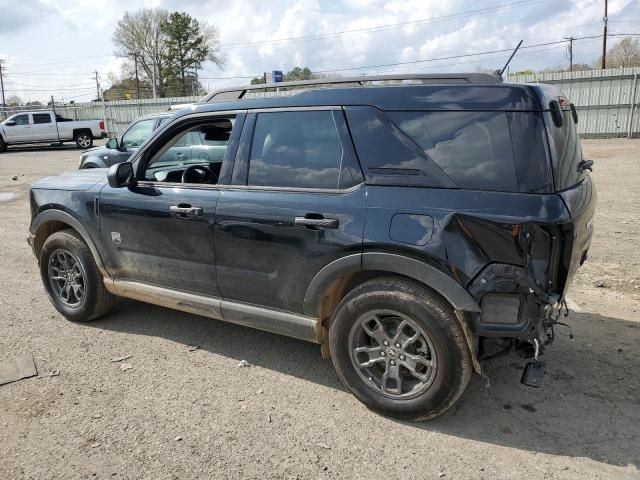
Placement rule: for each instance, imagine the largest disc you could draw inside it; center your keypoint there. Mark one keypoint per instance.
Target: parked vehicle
(120, 149)
(48, 127)
(412, 230)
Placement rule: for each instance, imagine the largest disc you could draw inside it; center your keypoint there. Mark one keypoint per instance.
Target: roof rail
(237, 93)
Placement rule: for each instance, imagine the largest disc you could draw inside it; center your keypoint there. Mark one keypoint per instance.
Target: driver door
(160, 232)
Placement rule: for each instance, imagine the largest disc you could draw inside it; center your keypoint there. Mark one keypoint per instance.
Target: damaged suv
(411, 226)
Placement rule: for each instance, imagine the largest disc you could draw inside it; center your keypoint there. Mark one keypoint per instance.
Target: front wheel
(400, 349)
(84, 140)
(72, 279)
(3, 146)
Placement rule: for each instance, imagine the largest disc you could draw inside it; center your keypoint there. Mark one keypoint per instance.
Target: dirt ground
(195, 414)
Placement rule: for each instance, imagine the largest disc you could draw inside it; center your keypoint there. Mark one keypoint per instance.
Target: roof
(497, 96)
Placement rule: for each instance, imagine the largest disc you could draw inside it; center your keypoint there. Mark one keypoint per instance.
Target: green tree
(189, 43)
(298, 73)
(138, 37)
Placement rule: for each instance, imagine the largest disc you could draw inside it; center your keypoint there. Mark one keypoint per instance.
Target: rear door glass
(473, 148)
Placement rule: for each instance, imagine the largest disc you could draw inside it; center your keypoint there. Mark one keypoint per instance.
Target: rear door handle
(316, 223)
(185, 211)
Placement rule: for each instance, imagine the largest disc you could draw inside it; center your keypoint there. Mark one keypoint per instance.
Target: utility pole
(2, 83)
(97, 85)
(570, 53)
(135, 59)
(153, 78)
(604, 38)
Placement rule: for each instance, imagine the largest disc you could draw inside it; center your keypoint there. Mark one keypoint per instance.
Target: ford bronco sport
(411, 226)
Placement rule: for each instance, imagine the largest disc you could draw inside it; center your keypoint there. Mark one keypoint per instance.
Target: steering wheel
(204, 174)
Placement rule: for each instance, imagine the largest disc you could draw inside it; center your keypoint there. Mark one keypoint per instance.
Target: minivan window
(41, 118)
(473, 148)
(295, 149)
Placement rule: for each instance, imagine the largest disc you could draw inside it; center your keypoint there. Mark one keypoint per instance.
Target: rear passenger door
(43, 128)
(296, 203)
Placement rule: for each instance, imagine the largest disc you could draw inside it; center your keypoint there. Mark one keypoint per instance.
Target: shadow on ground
(589, 405)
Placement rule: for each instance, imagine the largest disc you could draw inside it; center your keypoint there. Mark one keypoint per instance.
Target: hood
(74, 180)
(96, 151)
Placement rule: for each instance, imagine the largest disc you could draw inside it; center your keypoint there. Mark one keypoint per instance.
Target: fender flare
(93, 160)
(442, 283)
(54, 215)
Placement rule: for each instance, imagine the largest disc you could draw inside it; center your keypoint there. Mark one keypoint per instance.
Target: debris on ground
(244, 364)
(268, 417)
(601, 284)
(96, 445)
(178, 439)
(14, 178)
(126, 366)
(120, 359)
(193, 348)
(54, 373)
(96, 416)
(17, 369)
(323, 445)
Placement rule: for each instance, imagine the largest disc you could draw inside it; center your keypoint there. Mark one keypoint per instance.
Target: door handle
(317, 223)
(185, 211)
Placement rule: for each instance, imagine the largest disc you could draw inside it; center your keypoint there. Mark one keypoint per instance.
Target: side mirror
(10, 123)
(556, 113)
(112, 144)
(574, 113)
(120, 175)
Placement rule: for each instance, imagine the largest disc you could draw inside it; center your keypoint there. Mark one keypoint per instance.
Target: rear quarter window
(473, 148)
(566, 151)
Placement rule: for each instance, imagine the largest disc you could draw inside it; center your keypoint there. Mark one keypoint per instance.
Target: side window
(295, 149)
(41, 118)
(473, 148)
(138, 133)
(199, 149)
(21, 119)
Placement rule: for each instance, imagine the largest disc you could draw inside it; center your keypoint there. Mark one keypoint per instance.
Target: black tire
(3, 146)
(83, 139)
(409, 300)
(95, 300)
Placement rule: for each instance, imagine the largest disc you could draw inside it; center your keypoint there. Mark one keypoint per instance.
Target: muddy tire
(400, 349)
(72, 279)
(83, 139)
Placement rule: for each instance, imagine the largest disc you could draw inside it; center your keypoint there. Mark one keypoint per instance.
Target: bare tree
(625, 53)
(139, 34)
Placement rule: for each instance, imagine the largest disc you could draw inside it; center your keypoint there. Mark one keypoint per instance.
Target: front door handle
(185, 211)
(316, 223)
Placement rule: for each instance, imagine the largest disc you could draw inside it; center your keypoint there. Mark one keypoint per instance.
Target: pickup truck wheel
(399, 349)
(83, 139)
(3, 146)
(72, 279)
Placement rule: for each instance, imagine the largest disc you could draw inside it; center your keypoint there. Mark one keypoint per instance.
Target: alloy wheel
(66, 277)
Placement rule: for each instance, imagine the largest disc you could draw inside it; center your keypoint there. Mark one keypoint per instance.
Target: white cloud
(74, 37)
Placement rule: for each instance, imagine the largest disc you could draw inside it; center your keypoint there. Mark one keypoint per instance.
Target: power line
(386, 27)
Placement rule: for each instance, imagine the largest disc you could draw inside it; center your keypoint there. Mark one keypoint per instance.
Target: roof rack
(237, 93)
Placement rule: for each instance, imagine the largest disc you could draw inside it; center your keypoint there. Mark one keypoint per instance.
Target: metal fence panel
(606, 100)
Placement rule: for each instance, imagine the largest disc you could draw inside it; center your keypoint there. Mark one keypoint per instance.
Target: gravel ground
(178, 413)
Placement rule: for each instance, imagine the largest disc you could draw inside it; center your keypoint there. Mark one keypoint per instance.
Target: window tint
(41, 118)
(21, 119)
(138, 133)
(295, 149)
(473, 148)
(566, 151)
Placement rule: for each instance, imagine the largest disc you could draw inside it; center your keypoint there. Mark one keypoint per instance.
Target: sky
(53, 47)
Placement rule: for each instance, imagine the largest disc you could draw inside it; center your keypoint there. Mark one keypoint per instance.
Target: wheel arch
(50, 221)
(338, 278)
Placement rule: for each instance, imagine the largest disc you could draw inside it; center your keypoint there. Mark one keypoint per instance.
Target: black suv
(411, 226)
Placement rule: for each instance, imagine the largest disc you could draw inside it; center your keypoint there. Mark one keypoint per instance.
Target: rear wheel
(72, 279)
(83, 139)
(399, 349)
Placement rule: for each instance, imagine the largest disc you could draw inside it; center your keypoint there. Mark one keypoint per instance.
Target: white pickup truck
(49, 127)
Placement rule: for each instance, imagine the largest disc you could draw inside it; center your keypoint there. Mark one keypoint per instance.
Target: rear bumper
(103, 134)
